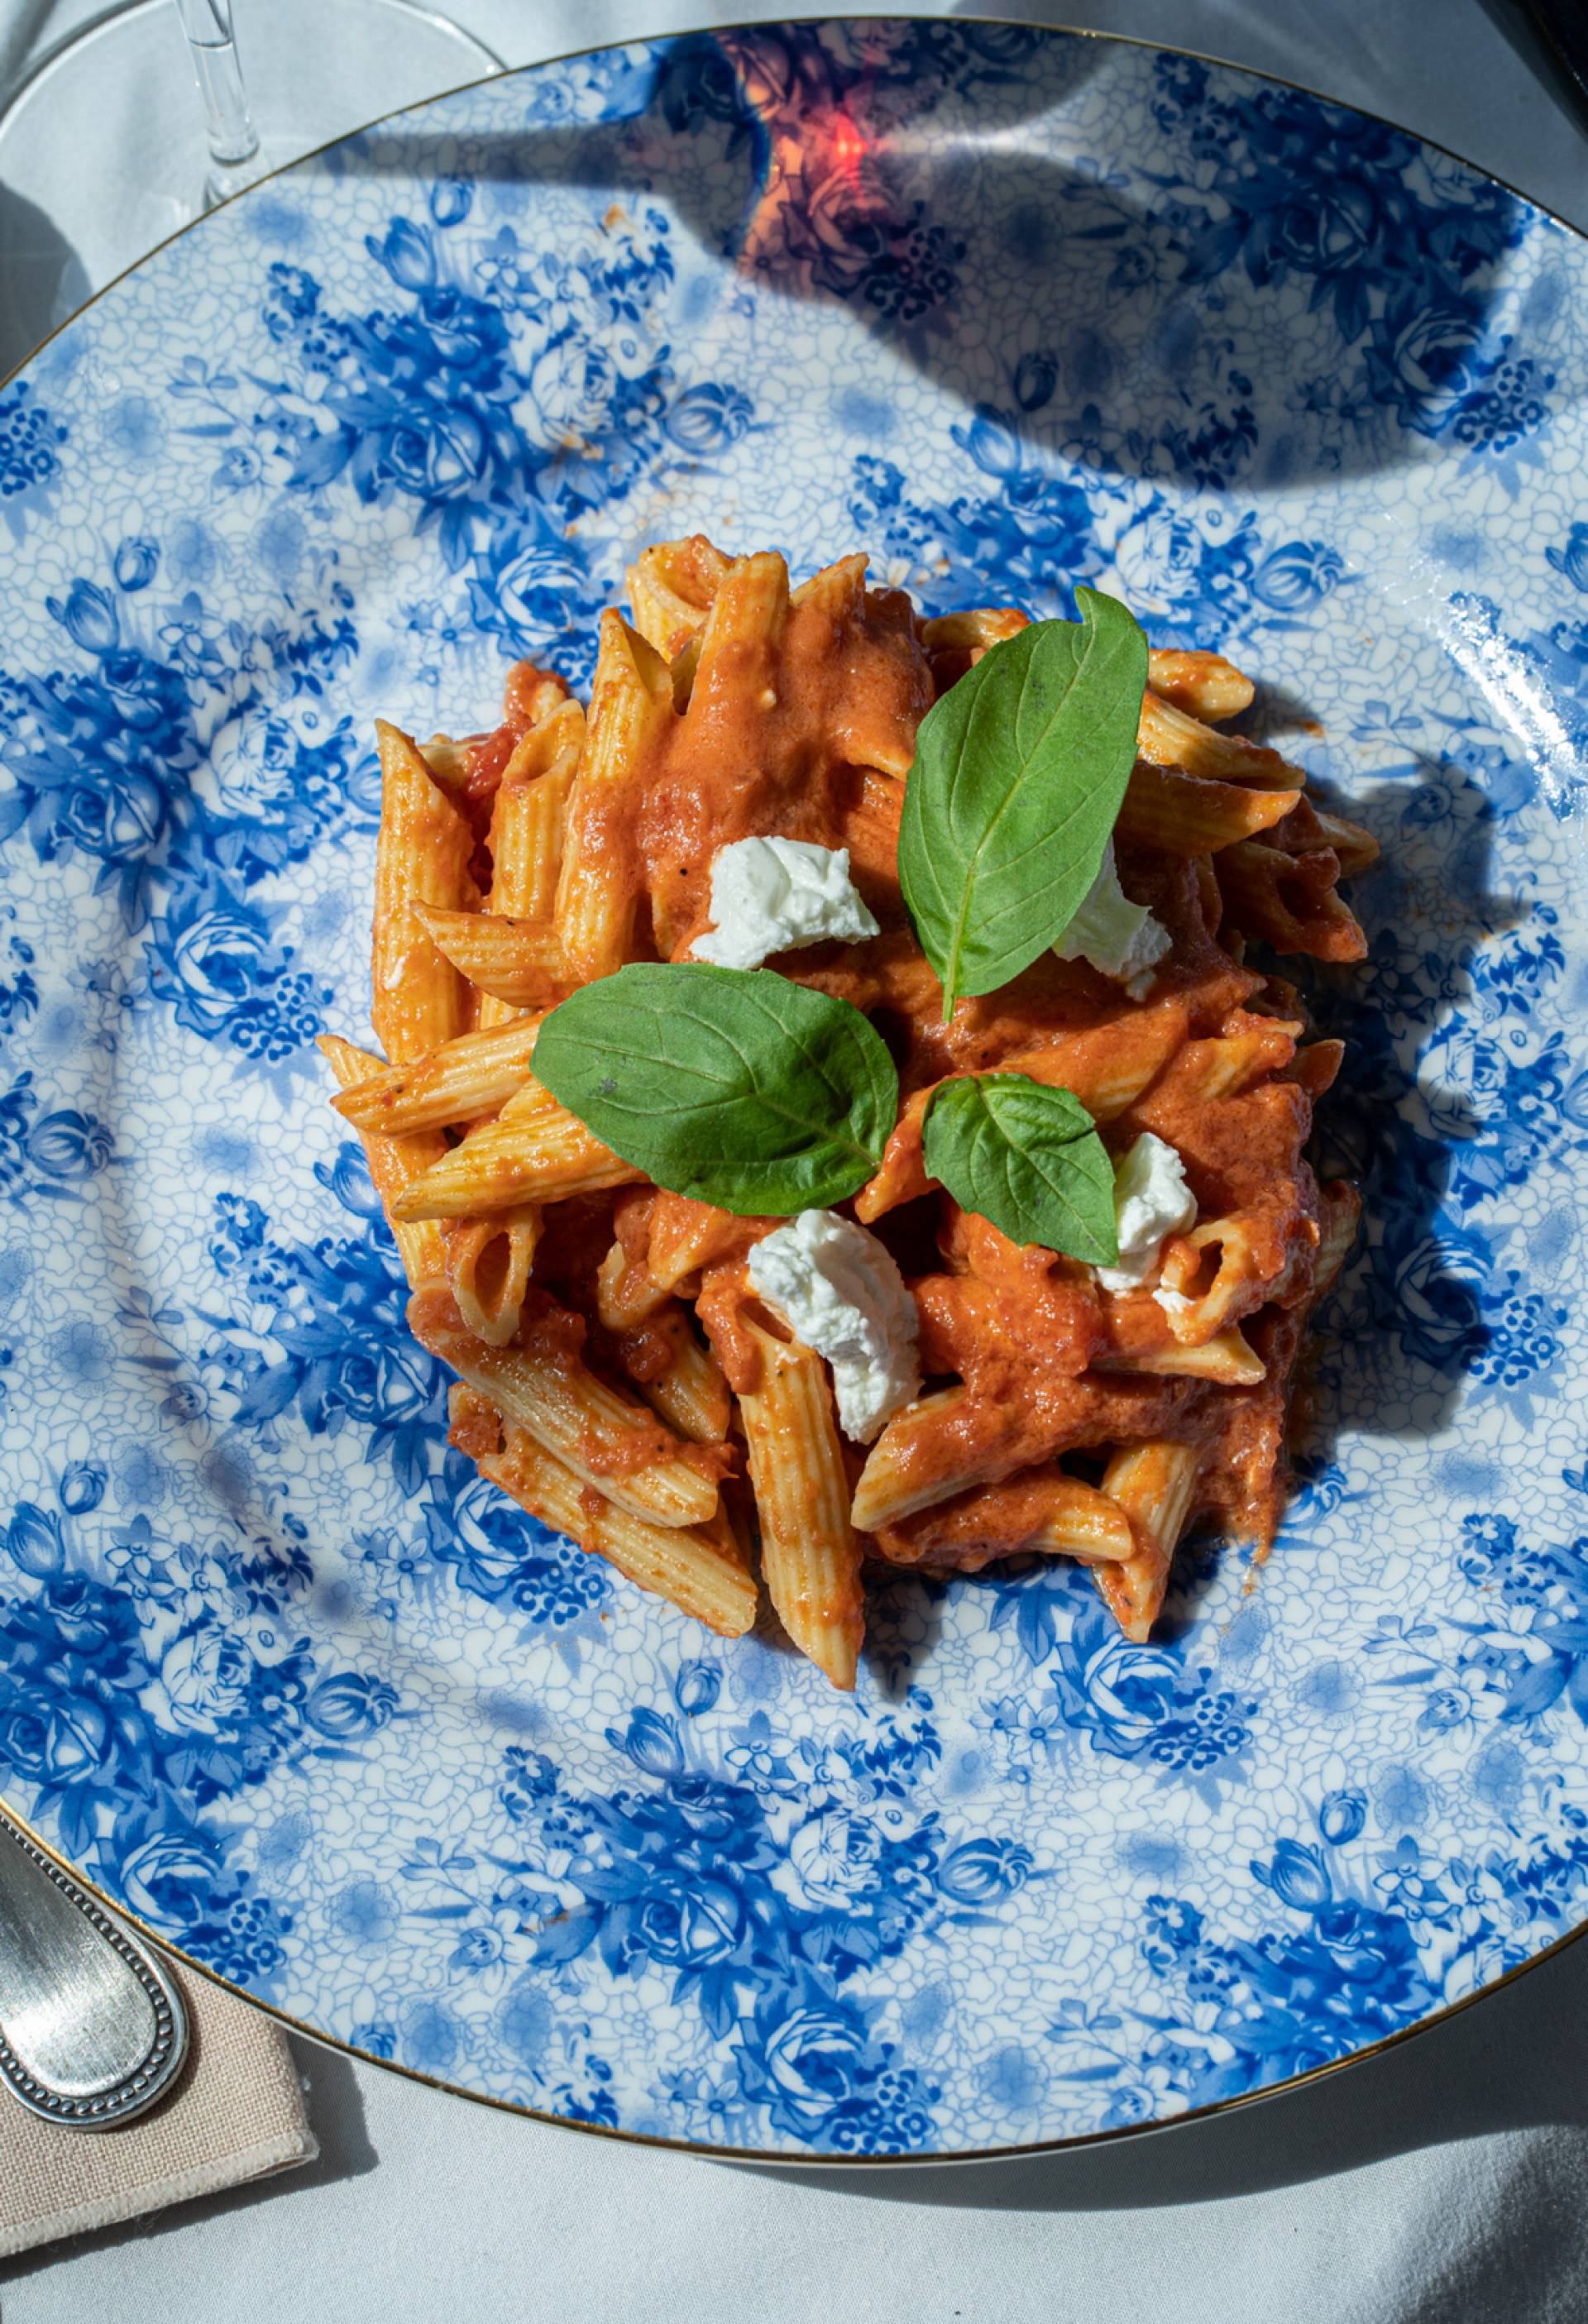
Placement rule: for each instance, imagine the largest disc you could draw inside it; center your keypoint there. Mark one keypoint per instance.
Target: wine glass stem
(234, 145)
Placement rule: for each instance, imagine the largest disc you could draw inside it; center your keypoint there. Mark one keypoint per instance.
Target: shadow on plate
(1068, 316)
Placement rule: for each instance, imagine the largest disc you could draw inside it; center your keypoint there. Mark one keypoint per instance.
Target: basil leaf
(1027, 1157)
(731, 1084)
(1019, 772)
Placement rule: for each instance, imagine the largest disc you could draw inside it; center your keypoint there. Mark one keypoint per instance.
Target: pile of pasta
(617, 1374)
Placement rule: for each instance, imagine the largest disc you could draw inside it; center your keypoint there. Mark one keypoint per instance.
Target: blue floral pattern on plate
(1016, 311)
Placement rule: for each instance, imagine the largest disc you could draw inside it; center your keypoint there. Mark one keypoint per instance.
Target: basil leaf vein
(1019, 774)
(732, 1085)
(1028, 1158)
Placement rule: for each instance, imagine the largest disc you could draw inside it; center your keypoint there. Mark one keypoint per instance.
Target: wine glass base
(102, 148)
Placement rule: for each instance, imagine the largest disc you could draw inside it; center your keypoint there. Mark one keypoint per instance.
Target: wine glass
(106, 148)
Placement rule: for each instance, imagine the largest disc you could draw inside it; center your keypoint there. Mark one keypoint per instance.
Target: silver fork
(92, 2028)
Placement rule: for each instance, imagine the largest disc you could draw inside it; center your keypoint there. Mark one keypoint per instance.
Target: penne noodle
(1226, 1357)
(835, 591)
(393, 1163)
(1154, 1484)
(809, 1556)
(686, 1385)
(1316, 1067)
(626, 1292)
(598, 886)
(1216, 1274)
(1107, 1067)
(535, 1151)
(1189, 815)
(1357, 850)
(972, 632)
(1167, 737)
(744, 630)
(1233, 1062)
(672, 589)
(591, 1429)
(1340, 1219)
(528, 823)
(701, 1571)
(488, 1263)
(904, 1470)
(516, 962)
(686, 1235)
(1203, 685)
(1289, 902)
(421, 857)
(1038, 1512)
(455, 1083)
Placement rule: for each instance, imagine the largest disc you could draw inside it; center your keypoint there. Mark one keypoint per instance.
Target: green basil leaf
(1019, 772)
(1027, 1157)
(731, 1084)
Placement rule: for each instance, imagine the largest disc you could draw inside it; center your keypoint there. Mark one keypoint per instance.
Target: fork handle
(92, 2029)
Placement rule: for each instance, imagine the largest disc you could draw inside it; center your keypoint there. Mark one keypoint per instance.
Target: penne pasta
(421, 857)
(973, 632)
(612, 1356)
(905, 1471)
(1041, 1512)
(626, 1292)
(1107, 1067)
(459, 1080)
(686, 1235)
(1226, 1357)
(516, 962)
(1154, 1484)
(1289, 902)
(699, 1570)
(809, 1556)
(1167, 737)
(393, 1164)
(611, 1443)
(671, 588)
(678, 1378)
(529, 824)
(488, 1263)
(1190, 815)
(535, 1151)
(1224, 1268)
(1316, 1067)
(598, 886)
(1203, 685)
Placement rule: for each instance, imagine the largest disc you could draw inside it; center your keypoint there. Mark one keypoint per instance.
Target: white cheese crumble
(839, 1292)
(768, 895)
(1120, 939)
(1151, 1202)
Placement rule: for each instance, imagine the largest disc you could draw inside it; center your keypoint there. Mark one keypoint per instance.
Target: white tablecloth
(1444, 2182)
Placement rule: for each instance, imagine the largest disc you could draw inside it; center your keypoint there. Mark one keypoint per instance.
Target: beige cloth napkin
(236, 2113)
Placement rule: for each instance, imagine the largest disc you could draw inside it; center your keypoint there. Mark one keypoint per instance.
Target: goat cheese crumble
(838, 1290)
(1151, 1202)
(1121, 940)
(769, 895)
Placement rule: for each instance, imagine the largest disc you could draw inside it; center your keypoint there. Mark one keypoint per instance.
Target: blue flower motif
(1572, 558)
(82, 1487)
(28, 439)
(135, 562)
(1341, 1815)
